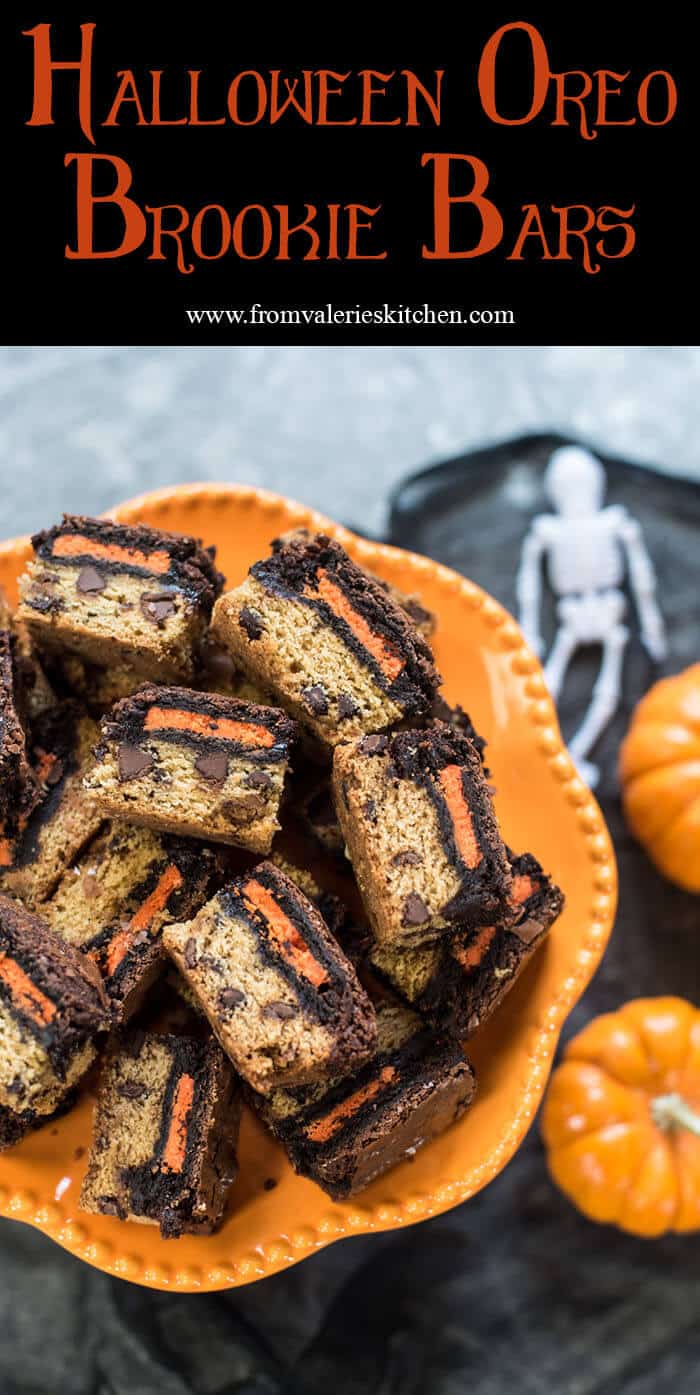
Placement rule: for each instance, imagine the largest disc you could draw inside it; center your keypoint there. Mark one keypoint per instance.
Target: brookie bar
(420, 830)
(327, 640)
(194, 763)
(166, 1130)
(457, 984)
(121, 594)
(345, 1133)
(281, 996)
(52, 1009)
(127, 884)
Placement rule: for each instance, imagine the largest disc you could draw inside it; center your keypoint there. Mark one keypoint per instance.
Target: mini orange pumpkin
(660, 776)
(621, 1120)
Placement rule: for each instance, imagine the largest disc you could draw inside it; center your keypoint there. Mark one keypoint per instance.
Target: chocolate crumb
(269, 1184)
(373, 745)
(132, 1090)
(213, 766)
(281, 1011)
(157, 607)
(89, 580)
(315, 700)
(190, 955)
(79, 1153)
(231, 998)
(251, 622)
(132, 762)
(407, 858)
(370, 810)
(347, 707)
(415, 911)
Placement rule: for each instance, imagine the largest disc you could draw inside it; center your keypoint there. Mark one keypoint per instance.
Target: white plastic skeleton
(587, 549)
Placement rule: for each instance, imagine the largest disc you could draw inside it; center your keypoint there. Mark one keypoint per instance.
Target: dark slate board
(513, 1292)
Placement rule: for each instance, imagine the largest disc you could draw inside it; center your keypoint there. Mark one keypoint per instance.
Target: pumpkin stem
(672, 1111)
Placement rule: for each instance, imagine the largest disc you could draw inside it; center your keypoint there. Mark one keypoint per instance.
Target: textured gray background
(81, 429)
(514, 1293)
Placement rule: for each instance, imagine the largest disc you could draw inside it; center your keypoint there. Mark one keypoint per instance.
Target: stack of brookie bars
(163, 746)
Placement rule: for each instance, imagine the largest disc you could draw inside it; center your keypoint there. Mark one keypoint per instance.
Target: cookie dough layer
(344, 1134)
(194, 763)
(166, 1129)
(327, 640)
(52, 1010)
(421, 834)
(279, 993)
(127, 884)
(117, 594)
(458, 984)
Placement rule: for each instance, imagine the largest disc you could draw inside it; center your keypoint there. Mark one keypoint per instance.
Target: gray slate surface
(513, 1292)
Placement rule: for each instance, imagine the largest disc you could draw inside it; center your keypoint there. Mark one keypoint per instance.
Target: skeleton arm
(528, 587)
(643, 586)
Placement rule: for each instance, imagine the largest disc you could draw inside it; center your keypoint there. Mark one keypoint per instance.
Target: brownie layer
(113, 903)
(328, 640)
(281, 996)
(52, 1010)
(346, 1133)
(65, 819)
(194, 763)
(111, 592)
(15, 1126)
(458, 984)
(166, 1128)
(19, 790)
(420, 830)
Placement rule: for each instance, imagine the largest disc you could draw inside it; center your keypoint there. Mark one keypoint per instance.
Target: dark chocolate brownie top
(537, 900)
(173, 1186)
(143, 551)
(292, 936)
(48, 985)
(319, 572)
(208, 722)
(461, 721)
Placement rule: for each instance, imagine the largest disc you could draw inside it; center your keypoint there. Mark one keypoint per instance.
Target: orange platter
(542, 806)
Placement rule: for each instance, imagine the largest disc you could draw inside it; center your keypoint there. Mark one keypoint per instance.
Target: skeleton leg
(555, 668)
(606, 696)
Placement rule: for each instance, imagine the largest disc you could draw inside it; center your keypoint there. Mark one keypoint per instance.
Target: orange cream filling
(521, 889)
(471, 955)
(284, 933)
(325, 1128)
(6, 851)
(176, 1143)
(143, 918)
(450, 781)
(384, 653)
(201, 724)
(73, 545)
(25, 996)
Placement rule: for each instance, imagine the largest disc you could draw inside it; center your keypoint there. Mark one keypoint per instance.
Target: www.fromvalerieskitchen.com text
(332, 315)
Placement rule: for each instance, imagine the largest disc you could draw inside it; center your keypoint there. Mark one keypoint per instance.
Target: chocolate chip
(219, 665)
(213, 766)
(315, 700)
(246, 809)
(269, 1184)
(90, 886)
(251, 622)
(55, 774)
(258, 780)
(373, 745)
(90, 580)
(45, 604)
(157, 607)
(347, 707)
(415, 911)
(132, 1090)
(132, 762)
(370, 810)
(281, 1011)
(231, 998)
(190, 954)
(79, 1153)
(406, 859)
